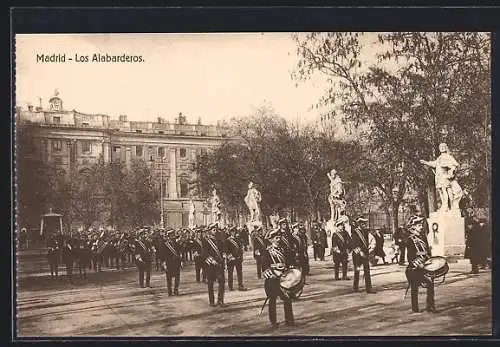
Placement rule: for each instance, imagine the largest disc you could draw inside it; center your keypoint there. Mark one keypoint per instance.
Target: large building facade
(73, 140)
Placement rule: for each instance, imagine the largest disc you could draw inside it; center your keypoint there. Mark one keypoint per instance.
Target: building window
(203, 151)
(138, 131)
(184, 189)
(86, 147)
(56, 120)
(182, 133)
(85, 125)
(182, 152)
(161, 132)
(161, 151)
(116, 149)
(56, 145)
(138, 151)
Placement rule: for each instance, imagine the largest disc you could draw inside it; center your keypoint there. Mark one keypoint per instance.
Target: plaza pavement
(111, 303)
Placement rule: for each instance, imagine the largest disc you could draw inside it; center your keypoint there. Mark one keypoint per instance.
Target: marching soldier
(301, 250)
(53, 255)
(275, 261)
(259, 247)
(340, 248)
(418, 253)
(213, 251)
(234, 259)
(170, 255)
(144, 253)
(198, 262)
(360, 253)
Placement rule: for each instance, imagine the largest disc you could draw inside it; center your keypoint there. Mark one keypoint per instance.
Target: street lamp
(162, 223)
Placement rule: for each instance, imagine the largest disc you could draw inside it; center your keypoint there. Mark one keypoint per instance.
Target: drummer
(275, 261)
(418, 253)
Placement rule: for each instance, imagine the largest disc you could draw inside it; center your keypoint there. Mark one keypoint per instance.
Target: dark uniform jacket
(197, 248)
(300, 247)
(418, 250)
(144, 250)
(235, 249)
(340, 242)
(360, 243)
(259, 245)
(213, 250)
(171, 254)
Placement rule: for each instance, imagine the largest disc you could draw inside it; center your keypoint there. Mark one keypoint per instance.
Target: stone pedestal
(449, 239)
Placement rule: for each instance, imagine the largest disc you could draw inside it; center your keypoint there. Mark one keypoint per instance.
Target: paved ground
(111, 304)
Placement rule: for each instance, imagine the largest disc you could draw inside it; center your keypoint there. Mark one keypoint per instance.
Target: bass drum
(291, 283)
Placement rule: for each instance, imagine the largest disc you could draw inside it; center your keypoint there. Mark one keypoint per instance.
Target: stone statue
(252, 200)
(216, 205)
(448, 188)
(336, 197)
(191, 213)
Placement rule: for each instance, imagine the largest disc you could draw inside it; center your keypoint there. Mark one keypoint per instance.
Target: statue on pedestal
(252, 200)
(447, 186)
(216, 206)
(336, 197)
(191, 213)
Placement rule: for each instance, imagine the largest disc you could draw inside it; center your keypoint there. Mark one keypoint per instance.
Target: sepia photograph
(253, 184)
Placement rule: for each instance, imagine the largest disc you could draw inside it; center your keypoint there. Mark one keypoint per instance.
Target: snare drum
(291, 283)
(436, 267)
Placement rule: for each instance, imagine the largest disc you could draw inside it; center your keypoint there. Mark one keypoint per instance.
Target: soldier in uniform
(68, 256)
(53, 255)
(213, 251)
(170, 256)
(198, 262)
(418, 253)
(144, 253)
(303, 235)
(275, 261)
(340, 248)
(258, 248)
(235, 259)
(301, 250)
(288, 240)
(360, 253)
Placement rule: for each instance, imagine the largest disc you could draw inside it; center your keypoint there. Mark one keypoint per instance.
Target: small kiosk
(51, 223)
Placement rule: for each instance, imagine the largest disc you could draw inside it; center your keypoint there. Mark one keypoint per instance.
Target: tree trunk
(394, 216)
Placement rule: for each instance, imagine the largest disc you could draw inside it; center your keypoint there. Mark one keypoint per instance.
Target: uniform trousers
(338, 260)
(415, 277)
(357, 263)
(145, 268)
(238, 264)
(273, 291)
(215, 273)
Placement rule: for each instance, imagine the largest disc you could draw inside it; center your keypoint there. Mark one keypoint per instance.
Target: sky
(212, 76)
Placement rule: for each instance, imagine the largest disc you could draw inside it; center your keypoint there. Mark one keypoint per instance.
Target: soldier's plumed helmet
(282, 220)
(342, 220)
(361, 220)
(272, 233)
(414, 220)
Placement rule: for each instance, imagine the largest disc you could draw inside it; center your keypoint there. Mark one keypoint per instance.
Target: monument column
(105, 151)
(48, 146)
(172, 180)
(128, 161)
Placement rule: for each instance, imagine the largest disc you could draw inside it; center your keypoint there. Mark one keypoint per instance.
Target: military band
(216, 249)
